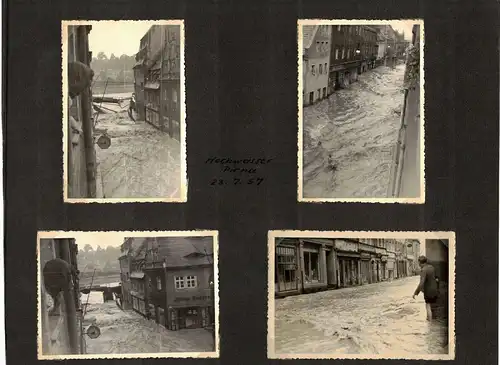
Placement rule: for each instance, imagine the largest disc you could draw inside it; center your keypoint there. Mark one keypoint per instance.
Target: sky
(117, 37)
(403, 26)
(94, 239)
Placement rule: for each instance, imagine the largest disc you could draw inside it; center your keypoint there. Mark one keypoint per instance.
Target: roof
(308, 33)
(185, 251)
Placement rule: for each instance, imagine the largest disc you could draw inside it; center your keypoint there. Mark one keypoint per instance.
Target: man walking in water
(428, 285)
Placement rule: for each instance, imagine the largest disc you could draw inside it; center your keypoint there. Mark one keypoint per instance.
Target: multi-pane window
(184, 282)
(179, 282)
(191, 281)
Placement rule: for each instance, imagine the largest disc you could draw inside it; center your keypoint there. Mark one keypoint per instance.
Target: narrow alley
(142, 162)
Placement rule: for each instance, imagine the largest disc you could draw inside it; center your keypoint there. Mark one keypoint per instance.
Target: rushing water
(379, 318)
(359, 126)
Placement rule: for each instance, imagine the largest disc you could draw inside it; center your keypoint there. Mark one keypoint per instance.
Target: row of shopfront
(303, 265)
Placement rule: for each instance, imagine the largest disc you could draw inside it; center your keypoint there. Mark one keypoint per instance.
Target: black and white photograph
(361, 295)
(127, 295)
(361, 111)
(124, 111)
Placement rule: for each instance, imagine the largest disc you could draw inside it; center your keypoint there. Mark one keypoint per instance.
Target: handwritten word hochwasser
(249, 161)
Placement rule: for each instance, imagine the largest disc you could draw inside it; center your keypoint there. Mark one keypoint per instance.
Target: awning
(152, 85)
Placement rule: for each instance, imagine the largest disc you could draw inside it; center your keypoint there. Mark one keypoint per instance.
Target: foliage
(113, 68)
(412, 73)
(99, 259)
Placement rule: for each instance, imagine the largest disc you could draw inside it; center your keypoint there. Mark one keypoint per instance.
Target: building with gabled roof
(170, 279)
(316, 43)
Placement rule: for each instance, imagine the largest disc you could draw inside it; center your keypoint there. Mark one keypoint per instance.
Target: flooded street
(380, 318)
(142, 162)
(125, 332)
(359, 126)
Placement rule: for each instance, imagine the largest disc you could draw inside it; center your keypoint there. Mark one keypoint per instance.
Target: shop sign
(342, 245)
(366, 248)
(337, 68)
(365, 256)
(193, 298)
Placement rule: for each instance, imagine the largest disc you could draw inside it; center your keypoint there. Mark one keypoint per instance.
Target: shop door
(286, 268)
(189, 318)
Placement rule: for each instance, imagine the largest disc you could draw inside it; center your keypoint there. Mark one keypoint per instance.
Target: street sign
(93, 331)
(104, 142)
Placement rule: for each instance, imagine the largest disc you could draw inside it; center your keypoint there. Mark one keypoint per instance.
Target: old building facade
(353, 51)
(158, 78)
(172, 281)
(316, 62)
(310, 264)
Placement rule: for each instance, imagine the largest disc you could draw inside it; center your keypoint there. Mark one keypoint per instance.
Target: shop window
(286, 268)
(311, 267)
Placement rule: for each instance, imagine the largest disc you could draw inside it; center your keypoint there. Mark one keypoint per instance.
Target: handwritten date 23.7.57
(237, 181)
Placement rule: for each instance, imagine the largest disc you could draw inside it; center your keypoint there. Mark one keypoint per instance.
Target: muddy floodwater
(126, 331)
(373, 319)
(359, 127)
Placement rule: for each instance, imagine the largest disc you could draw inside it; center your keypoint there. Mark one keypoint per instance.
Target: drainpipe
(166, 312)
(398, 162)
(87, 127)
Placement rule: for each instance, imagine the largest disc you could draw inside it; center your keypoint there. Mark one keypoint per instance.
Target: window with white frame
(185, 282)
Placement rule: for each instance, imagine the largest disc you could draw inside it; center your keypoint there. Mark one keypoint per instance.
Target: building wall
(77, 163)
(437, 255)
(316, 66)
(60, 335)
(341, 263)
(199, 296)
(125, 281)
